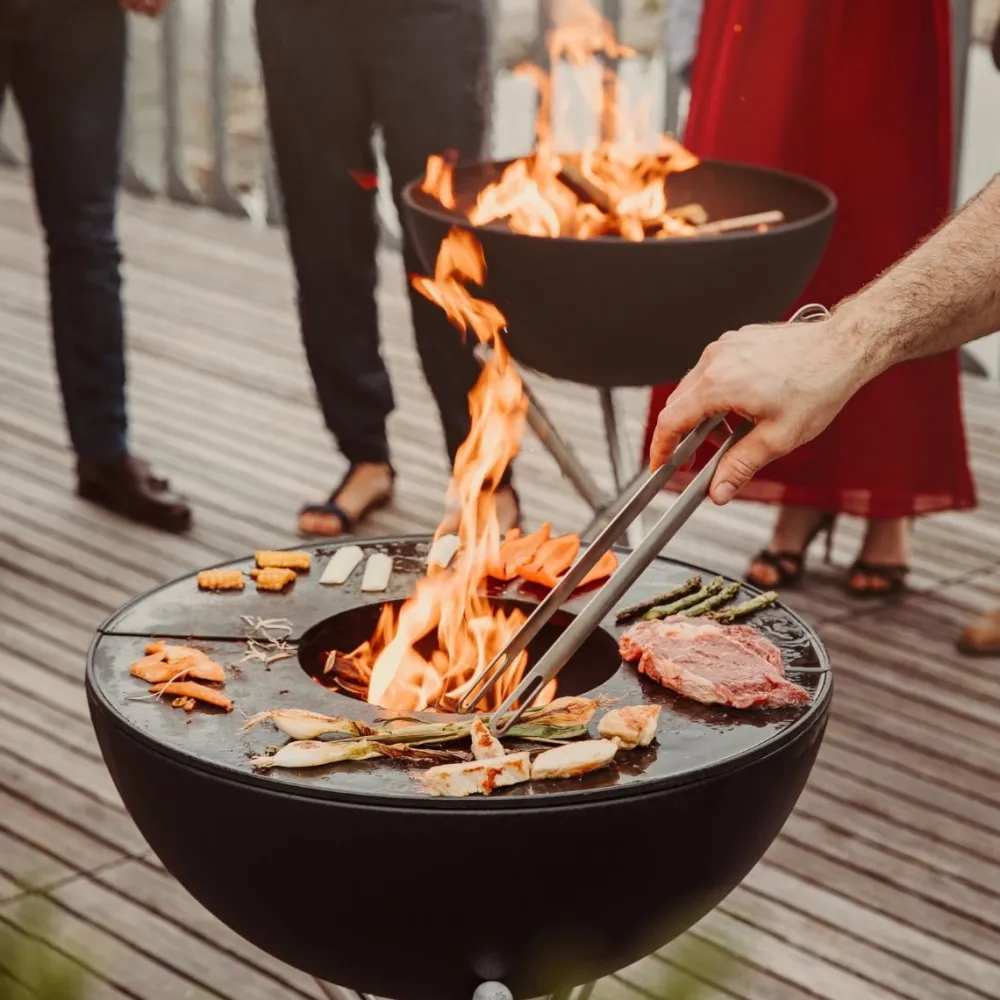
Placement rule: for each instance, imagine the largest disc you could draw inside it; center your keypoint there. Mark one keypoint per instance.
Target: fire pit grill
(609, 312)
(312, 865)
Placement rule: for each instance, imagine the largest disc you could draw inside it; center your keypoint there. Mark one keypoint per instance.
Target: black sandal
(893, 575)
(780, 561)
(332, 508)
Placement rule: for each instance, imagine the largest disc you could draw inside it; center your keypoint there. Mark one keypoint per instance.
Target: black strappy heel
(893, 576)
(332, 508)
(780, 561)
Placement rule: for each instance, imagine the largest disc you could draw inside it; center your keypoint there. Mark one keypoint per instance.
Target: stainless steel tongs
(566, 646)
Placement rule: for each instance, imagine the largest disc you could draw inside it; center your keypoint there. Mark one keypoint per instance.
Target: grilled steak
(712, 663)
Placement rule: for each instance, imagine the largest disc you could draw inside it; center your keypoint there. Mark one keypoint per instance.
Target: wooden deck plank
(885, 882)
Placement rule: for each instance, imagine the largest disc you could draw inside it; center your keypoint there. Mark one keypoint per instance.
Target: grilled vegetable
(727, 615)
(689, 586)
(303, 725)
(316, 753)
(341, 565)
(724, 596)
(676, 607)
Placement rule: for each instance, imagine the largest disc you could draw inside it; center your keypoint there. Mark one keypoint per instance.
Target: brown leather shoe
(981, 637)
(128, 487)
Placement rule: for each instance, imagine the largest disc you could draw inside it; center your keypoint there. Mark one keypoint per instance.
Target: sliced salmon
(192, 689)
(553, 558)
(518, 550)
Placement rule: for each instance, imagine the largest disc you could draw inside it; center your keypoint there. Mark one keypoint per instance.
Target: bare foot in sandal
(508, 512)
(367, 486)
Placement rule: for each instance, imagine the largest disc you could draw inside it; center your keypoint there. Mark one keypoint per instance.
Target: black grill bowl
(607, 312)
(423, 904)
(352, 874)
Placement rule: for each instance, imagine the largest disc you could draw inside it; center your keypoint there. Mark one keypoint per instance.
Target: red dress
(857, 95)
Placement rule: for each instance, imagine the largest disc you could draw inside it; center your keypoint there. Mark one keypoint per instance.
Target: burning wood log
(741, 222)
(584, 188)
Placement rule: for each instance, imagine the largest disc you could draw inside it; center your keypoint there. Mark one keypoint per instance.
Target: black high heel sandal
(790, 566)
(333, 509)
(892, 576)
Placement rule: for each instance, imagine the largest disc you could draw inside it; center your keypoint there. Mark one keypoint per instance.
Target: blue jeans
(333, 71)
(67, 74)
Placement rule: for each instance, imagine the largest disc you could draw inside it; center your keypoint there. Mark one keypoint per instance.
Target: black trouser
(65, 62)
(333, 71)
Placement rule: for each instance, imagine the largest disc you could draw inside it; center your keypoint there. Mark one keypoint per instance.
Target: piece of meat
(485, 746)
(573, 759)
(631, 726)
(712, 663)
(477, 777)
(192, 689)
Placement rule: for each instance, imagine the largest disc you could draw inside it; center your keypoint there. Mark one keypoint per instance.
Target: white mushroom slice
(631, 726)
(477, 777)
(485, 746)
(442, 552)
(378, 572)
(341, 565)
(573, 759)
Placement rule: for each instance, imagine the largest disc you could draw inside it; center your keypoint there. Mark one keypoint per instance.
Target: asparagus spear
(710, 588)
(634, 610)
(727, 615)
(724, 596)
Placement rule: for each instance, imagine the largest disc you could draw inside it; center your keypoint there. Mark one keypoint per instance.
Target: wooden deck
(886, 881)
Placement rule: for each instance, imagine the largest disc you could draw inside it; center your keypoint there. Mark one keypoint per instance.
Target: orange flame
(451, 603)
(630, 173)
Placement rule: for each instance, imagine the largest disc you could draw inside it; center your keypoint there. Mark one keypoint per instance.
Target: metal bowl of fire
(285, 745)
(603, 297)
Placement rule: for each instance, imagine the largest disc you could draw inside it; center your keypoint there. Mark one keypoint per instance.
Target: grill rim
(417, 201)
(814, 715)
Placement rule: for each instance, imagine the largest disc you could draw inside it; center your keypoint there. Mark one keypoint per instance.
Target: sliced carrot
(192, 689)
(552, 560)
(518, 551)
(607, 564)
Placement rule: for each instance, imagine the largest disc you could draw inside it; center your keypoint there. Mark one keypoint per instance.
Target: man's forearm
(942, 295)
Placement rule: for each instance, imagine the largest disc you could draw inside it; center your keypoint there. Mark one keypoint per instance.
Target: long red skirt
(857, 95)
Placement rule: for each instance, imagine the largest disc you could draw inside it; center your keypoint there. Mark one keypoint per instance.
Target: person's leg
(320, 116)
(68, 78)
(430, 67)
(69, 85)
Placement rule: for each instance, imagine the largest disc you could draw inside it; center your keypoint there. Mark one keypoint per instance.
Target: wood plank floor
(885, 882)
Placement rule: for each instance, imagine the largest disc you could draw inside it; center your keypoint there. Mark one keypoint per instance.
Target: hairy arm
(791, 380)
(943, 294)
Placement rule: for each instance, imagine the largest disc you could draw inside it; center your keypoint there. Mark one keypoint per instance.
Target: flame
(627, 166)
(450, 604)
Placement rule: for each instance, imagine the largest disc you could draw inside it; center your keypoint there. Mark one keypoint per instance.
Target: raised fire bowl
(607, 312)
(353, 875)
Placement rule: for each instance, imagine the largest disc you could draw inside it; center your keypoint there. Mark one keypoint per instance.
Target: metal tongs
(573, 637)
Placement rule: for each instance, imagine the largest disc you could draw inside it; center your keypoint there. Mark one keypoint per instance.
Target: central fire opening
(596, 662)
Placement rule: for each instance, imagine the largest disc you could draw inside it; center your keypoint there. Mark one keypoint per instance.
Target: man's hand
(151, 8)
(791, 380)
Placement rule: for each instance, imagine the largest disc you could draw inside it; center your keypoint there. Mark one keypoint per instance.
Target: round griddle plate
(693, 741)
